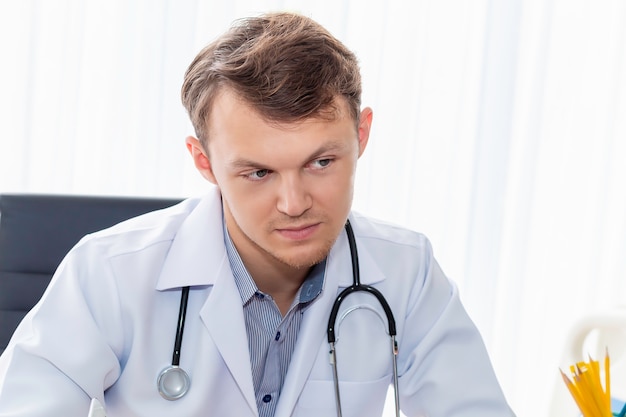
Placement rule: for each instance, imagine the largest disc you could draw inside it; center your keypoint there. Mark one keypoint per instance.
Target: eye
(321, 163)
(258, 174)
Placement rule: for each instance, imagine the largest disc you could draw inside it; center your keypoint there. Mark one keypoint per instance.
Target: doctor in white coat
(275, 103)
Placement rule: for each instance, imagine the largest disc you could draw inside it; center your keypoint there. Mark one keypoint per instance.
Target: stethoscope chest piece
(173, 383)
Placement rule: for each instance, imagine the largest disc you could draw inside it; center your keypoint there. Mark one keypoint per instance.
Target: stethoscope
(173, 382)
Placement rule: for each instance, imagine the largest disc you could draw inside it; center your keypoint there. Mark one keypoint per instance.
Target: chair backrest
(37, 230)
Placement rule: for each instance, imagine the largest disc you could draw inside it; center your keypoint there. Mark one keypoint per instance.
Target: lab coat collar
(197, 247)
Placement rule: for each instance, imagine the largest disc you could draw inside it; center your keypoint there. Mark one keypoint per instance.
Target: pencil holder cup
(592, 336)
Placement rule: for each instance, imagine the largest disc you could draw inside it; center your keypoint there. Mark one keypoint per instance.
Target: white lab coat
(105, 329)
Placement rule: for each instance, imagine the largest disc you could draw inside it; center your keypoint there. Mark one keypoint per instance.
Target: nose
(293, 197)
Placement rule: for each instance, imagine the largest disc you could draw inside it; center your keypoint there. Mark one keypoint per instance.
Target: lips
(298, 232)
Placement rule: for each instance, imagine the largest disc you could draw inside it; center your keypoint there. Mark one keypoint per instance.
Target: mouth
(298, 232)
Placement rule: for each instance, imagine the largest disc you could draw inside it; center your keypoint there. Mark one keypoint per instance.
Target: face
(286, 188)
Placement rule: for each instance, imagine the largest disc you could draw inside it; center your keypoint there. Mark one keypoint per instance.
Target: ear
(365, 124)
(200, 158)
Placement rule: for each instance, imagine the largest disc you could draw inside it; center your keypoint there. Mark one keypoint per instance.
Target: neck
(272, 275)
(280, 281)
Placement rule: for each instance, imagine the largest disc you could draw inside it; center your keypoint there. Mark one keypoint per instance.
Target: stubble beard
(304, 262)
(308, 260)
(298, 260)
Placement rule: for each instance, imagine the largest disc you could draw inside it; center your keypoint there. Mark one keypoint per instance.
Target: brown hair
(286, 66)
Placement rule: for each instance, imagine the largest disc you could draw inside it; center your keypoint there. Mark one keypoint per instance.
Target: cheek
(246, 205)
(336, 193)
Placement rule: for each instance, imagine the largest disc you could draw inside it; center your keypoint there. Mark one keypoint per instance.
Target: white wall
(500, 132)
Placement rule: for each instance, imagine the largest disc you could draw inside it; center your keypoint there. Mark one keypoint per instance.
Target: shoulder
(395, 250)
(138, 233)
(385, 233)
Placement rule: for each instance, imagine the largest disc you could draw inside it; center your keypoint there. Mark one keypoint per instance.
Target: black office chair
(36, 231)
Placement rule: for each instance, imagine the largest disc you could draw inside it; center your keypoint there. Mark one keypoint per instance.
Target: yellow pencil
(580, 402)
(584, 387)
(593, 370)
(607, 376)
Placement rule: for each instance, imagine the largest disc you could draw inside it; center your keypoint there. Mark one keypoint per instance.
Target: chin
(306, 257)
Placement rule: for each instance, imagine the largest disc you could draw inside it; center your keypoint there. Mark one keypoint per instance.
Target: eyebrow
(333, 146)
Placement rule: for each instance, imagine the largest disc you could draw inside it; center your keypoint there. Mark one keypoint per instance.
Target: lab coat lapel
(222, 314)
(315, 320)
(199, 259)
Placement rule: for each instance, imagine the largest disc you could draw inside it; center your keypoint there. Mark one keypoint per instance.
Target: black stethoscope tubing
(173, 382)
(182, 314)
(332, 322)
(357, 286)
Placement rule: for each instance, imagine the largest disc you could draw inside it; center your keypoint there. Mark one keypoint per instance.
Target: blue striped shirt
(271, 337)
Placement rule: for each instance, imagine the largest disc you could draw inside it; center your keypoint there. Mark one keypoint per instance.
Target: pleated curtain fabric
(499, 131)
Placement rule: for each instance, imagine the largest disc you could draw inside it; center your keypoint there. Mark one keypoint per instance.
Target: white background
(499, 131)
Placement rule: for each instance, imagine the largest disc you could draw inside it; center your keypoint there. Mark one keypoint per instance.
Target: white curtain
(500, 132)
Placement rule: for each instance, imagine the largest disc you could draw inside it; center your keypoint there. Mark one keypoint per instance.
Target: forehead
(236, 130)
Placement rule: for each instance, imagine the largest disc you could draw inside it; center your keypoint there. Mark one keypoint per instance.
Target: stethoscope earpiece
(173, 383)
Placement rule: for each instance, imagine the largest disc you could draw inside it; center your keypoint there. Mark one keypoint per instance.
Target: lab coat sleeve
(64, 351)
(445, 369)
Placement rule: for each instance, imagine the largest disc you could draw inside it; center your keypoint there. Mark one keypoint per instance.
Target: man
(275, 103)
